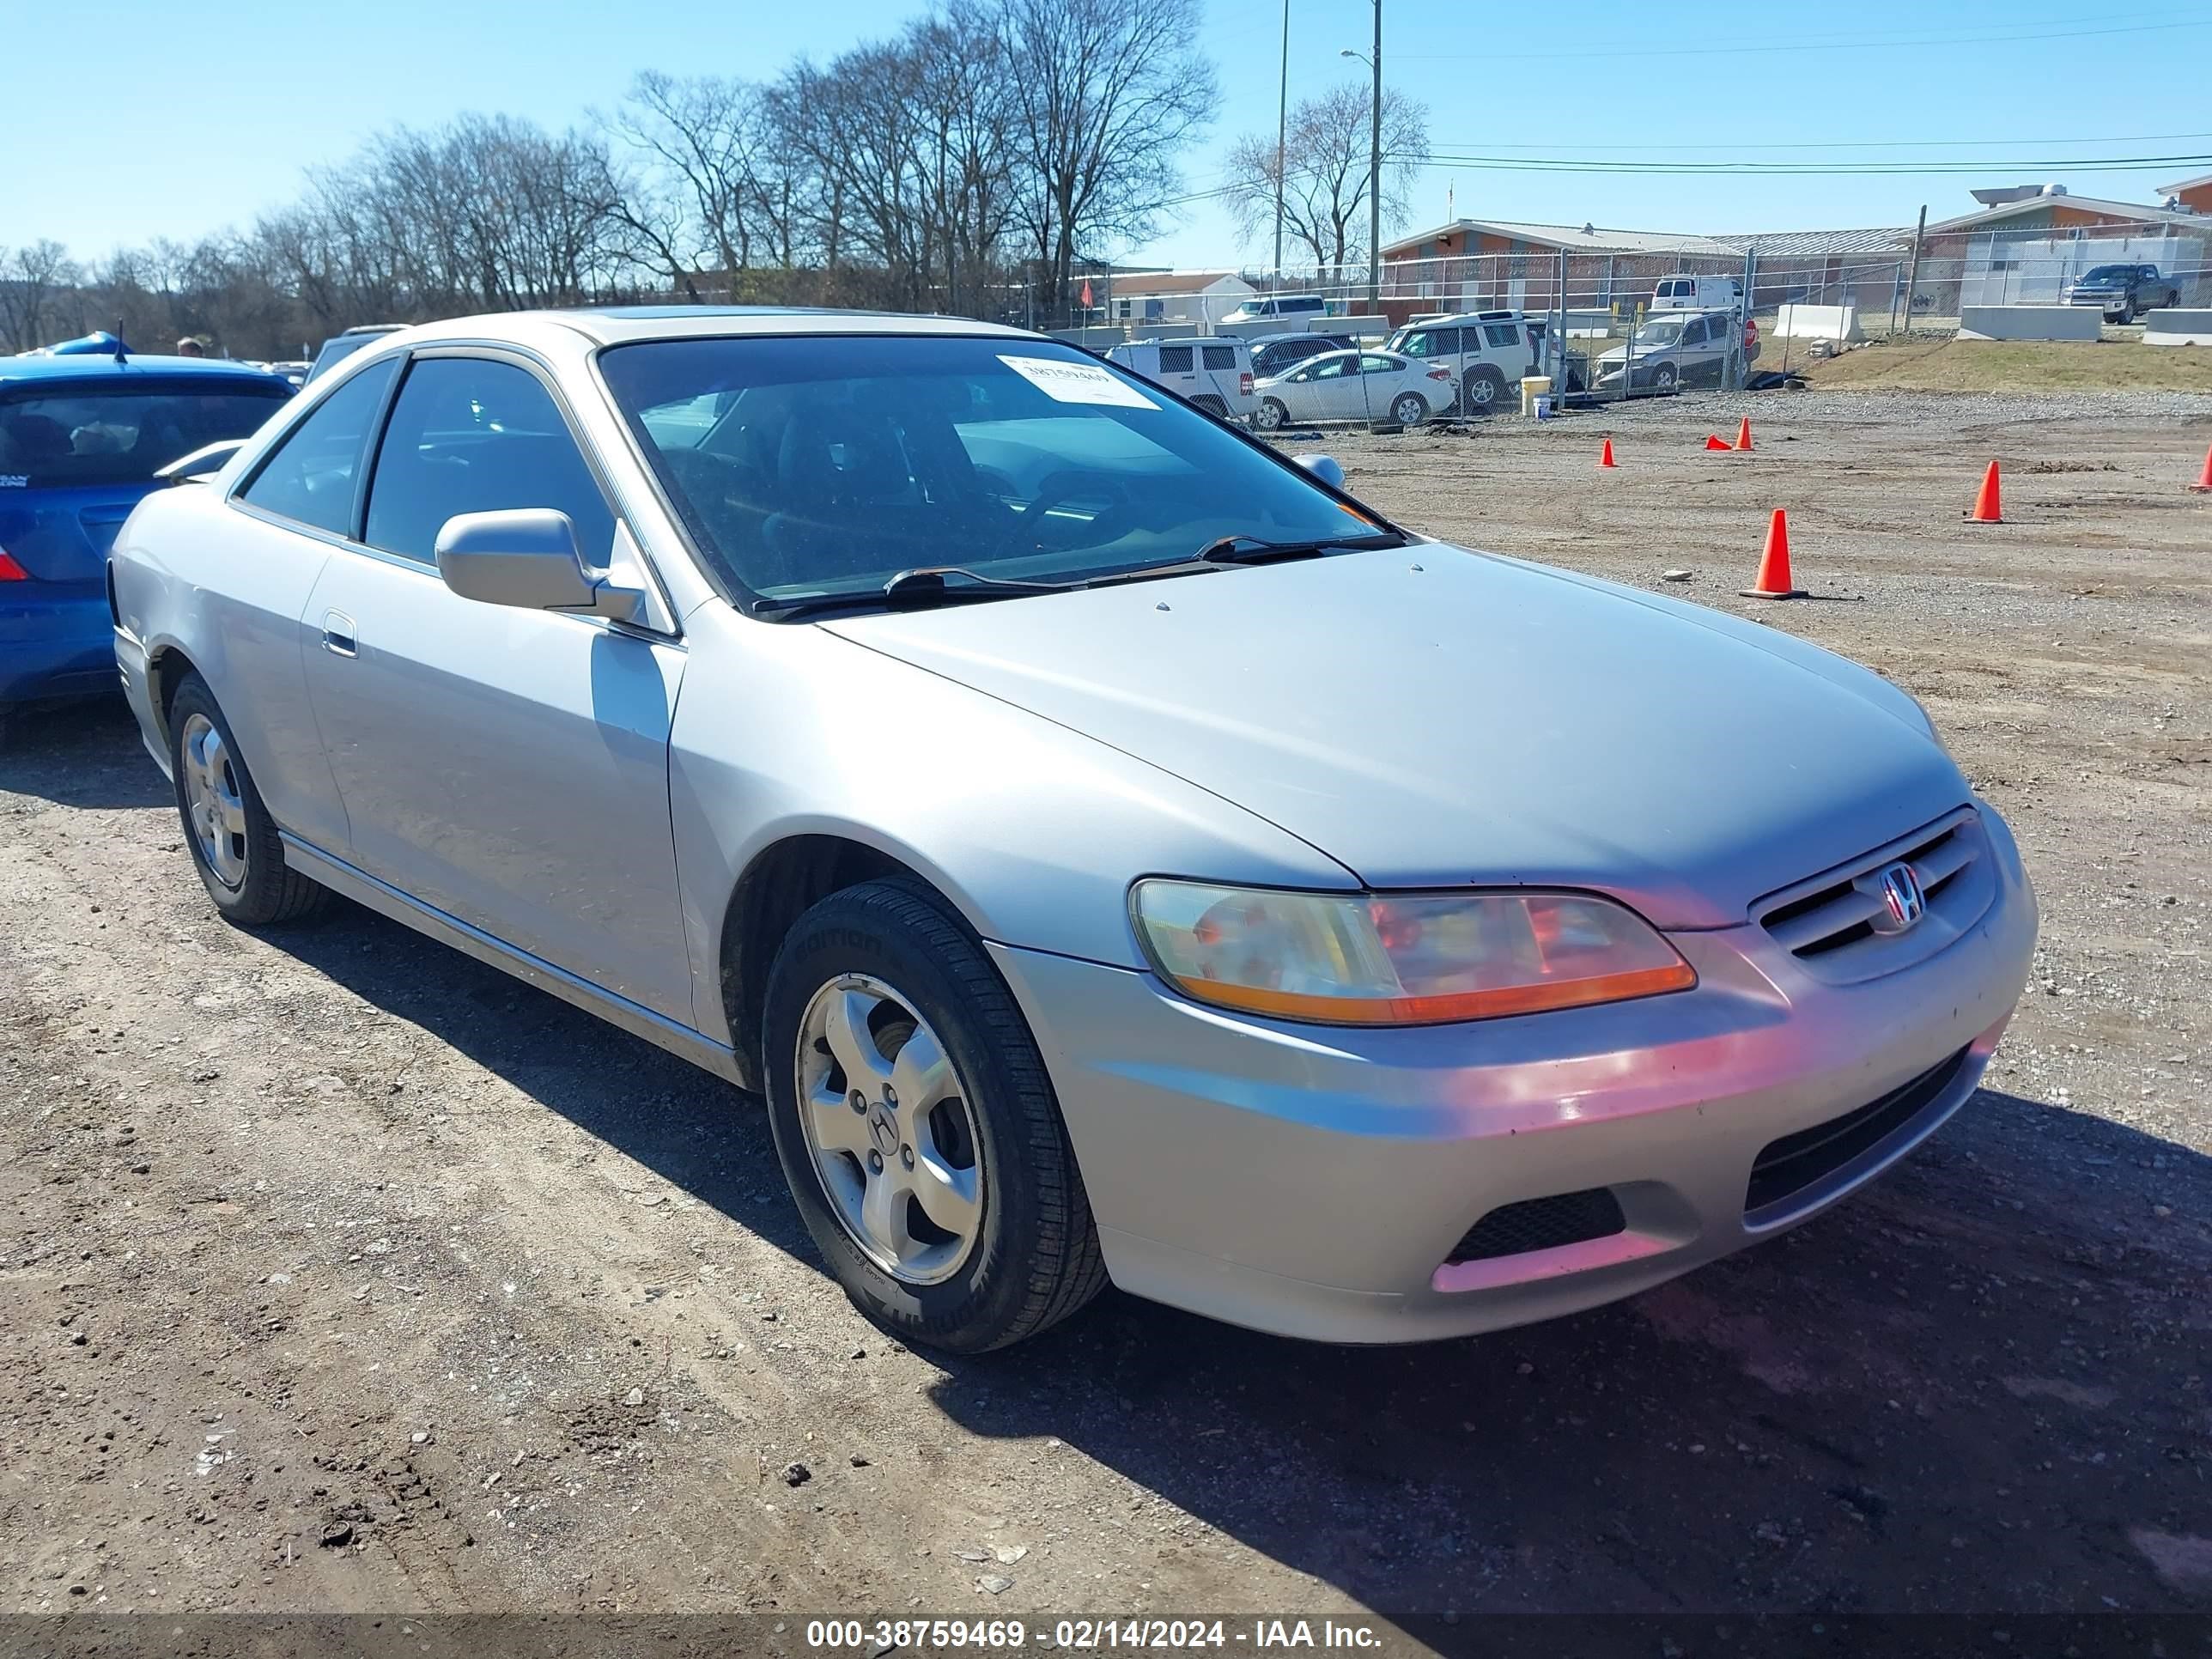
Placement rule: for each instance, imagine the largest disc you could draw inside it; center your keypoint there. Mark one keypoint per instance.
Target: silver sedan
(1114, 852)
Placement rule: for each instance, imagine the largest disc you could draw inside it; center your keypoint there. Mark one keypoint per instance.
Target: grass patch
(2027, 366)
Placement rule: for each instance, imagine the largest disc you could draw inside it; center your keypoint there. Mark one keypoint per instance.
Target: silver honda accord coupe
(1116, 852)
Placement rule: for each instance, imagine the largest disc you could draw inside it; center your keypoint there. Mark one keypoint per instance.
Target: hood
(1431, 717)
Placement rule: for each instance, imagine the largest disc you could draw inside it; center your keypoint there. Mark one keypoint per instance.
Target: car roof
(621, 324)
(1461, 318)
(88, 366)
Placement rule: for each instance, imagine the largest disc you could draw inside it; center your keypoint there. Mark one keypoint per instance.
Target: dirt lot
(343, 1273)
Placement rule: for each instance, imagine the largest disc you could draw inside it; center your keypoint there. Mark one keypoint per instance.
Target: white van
(1215, 374)
(1687, 293)
(1286, 308)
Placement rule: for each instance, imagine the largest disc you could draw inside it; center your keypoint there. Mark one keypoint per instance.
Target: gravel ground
(345, 1275)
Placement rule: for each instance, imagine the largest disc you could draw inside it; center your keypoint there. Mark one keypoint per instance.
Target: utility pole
(1912, 282)
(1282, 130)
(1375, 179)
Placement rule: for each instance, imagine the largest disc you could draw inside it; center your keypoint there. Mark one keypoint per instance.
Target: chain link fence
(1622, 313)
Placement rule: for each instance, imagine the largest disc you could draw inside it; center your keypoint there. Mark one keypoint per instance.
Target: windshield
(2109, 274)
(1660, 332)
(806, 465)
(65, 435)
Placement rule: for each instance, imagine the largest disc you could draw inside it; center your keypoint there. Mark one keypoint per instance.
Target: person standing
(189, 347)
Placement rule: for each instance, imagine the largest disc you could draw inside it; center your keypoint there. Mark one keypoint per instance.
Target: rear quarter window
(1219, 357)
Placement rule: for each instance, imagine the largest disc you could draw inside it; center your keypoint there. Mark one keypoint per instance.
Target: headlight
(1396, 958)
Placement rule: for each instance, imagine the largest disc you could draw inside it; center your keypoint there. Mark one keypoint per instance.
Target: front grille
(1542, 1224)
(1821, 922)
(1790, 1165)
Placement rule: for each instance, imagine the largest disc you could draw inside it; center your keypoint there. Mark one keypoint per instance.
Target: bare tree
(1108, 95)
(35, 282)
(715, 194)
(1326, 157)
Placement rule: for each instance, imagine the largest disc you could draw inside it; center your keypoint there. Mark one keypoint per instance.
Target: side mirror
(526, 557)
(1323, 467)
(202, 462)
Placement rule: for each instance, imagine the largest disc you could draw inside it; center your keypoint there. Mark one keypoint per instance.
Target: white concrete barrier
(2029, 322)
(2172, 328)
(1836, 323)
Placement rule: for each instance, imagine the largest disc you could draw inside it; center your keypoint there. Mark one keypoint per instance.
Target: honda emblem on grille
(1902, 901)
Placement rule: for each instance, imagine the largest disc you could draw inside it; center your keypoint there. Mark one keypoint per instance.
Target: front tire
(947, 1202)
(234, 844)
(1663, 378)
(1273, 416)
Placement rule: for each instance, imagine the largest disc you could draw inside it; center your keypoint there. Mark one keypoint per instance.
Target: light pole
(1374, 169)
(1282, 129)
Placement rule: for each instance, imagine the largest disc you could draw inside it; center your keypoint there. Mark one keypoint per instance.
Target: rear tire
(234, 844)
(1482, 390)
(1023, 1254)
(1409, 408)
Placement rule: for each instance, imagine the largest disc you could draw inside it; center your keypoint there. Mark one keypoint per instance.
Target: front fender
(1033, 832)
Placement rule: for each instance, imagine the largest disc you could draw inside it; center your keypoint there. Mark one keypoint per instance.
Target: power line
(1799, 169)
(1839, 144)
(1880, 44)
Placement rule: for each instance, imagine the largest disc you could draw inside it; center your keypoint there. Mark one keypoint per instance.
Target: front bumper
(1312, 1181)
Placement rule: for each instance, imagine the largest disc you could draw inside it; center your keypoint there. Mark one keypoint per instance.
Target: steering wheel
(1062, 489)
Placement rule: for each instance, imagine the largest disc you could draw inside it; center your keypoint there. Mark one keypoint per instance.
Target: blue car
(82, 436)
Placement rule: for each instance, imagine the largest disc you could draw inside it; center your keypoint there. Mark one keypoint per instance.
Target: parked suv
(1674, 349)
(1215, 374)
(1487, 351)
(2121, 291)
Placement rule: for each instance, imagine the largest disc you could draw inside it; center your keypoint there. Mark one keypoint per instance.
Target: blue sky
(174, 124)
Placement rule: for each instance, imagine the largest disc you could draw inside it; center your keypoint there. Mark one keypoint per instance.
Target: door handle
(339, 634)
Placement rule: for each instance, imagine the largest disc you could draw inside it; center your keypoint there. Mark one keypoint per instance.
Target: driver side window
(468, 435)
(1330, 368)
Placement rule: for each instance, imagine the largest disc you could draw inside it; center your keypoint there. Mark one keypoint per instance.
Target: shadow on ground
(85, 754)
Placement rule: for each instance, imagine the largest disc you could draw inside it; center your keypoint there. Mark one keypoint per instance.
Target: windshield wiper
(1226, 551)
(912, 589)
(1253, 550)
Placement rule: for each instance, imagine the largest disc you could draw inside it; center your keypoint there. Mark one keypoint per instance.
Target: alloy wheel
(213, 802)
(890, 1130)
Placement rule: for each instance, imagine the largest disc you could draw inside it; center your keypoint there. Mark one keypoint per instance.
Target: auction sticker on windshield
(1077, 383)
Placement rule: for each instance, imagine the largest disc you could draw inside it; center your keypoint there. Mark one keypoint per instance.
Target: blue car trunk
(63, 535)
(81, 437)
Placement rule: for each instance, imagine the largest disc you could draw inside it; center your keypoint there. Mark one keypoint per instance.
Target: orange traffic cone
(1774, 581)
(1987, 508)
(1605, 455)
(1714, 441)
(1743, 433)
(2204, 485)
